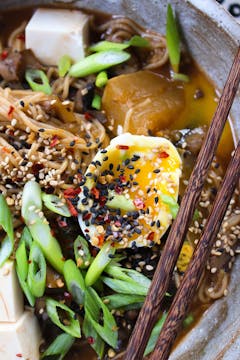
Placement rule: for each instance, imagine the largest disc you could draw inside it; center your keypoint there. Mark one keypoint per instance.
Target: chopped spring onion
(96, 102)
(72, 326)
(129, 275)
(180, 77)
(22, 260)
(121, 301)
(64, 65)
(74, 281)
(6, 222)
(136, 40)
(92, 336)
(124, 287)
(101, 79)
(33, 75)
(55, 204)
(81, 251)
(97, 62)
(99, 263)
(60, 346)
(196, 215)
(118, 201)
(172, 203)
(38, 225)
(173, 39)
(37, 271)
(155, 334)
(93, 309)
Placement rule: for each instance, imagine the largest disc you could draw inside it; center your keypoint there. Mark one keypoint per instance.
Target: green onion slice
(72, 326)
(173, 39)
(55, 204)
(101, 79)
(92, 336)
(38, 225)
(99, 263)
(22, 260)
(172, 203)
(96, 102)
(123, 301)
(93, 308)
(188, 320)
(74, 281)
(37, 271)
(97, 62)
(59, 347)
(6, 247)
(180, 77)
(33, 75)
(155, 334)
(136, 40)
(81, 251)
(64, 65)
(25, 288)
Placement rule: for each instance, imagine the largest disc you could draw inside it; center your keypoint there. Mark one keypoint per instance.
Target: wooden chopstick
(190, 281)
(151, 307)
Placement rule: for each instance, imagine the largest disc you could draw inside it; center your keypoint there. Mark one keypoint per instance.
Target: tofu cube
(52, 33)
(11, 297)
(20, 339)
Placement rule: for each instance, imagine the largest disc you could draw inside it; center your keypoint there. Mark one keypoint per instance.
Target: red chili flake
(71, 208)
(139, 203)
(102, 200)
(163, 155)
(90, 340)
(122, 147)
(87, 230)
(117, 223)
(21, 37)
(87, 216)
(122, 178)
(29, 261)
(95, 192)
(71, 193)
(10, 112)
(54, 141)
(19, 355)
(88, 116)
(151, 236)
(118, 189)
(52, 232)
(6, 150)
(100, 240)
(4, 54)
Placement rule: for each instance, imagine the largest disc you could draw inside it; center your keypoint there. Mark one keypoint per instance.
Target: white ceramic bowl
(212, 37)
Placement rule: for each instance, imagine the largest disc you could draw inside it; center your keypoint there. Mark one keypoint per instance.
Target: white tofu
(11, 297)
(20, 340)
(52, 33)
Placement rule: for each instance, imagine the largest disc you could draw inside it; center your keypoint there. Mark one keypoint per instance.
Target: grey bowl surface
(212, 37)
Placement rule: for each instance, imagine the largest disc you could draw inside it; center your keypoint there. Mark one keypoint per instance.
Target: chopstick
(151, 307)
(190, 281)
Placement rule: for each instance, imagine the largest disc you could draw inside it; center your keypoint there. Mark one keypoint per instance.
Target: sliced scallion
(94, 306)
(37, 271)
(97, 62)
(59, 347)
(82, 254)
(173, 39)
(101, 79)
(55, 204)
(6, 222)
(180, 77)
(99, 263)
(34, 77)
(92, 336)
(155, 334)
(74, 281)
(172, 203)
(64, 65)
(72, 326)
(96, 102)
(121, 301)
(136, 41)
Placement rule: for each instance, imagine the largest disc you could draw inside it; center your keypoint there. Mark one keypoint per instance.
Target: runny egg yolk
(123, 199)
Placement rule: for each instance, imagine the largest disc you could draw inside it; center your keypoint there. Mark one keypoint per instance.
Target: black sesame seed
(89, 174)
(89, 144)
(158, 224)
(137, 231)
(156, 199)
(137, 171)
(105, 158)
(135, 157)
(22, 103)
(148, 190)
(152, 223)
(41, 130)
(156, 171)
(110, 166)
(72, 143)
(103, 151)
(130, 167)
(85, 153)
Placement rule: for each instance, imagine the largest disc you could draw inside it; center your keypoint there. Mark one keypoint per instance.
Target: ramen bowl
(212, 37)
